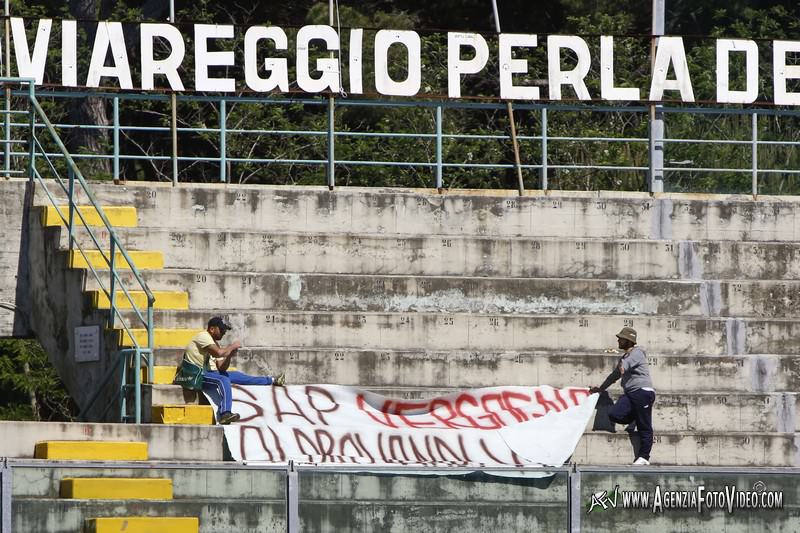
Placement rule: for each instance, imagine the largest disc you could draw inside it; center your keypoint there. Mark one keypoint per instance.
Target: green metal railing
(71, 187)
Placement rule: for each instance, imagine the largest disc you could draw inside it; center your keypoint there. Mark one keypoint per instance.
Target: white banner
(496, 426)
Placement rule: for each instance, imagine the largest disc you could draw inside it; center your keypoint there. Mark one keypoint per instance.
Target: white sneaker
(641, 461)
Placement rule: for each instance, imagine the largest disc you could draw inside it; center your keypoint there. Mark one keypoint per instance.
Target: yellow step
(143, 260)
(122, 216)
(91, 450)
(163, 337)
(164, 299)
(143, 524)
(110, 488)
(183, 414)
(162, 375)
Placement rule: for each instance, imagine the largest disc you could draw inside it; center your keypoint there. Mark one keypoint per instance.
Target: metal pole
(137, 385)
(510, 109)
(5, 496)
(331, 138)
(112, 291)
(223, 163)
(439, 185)
(173, 124)
(574, 501)
(544, 149)
(292, 500)
(32, 141)
(116, 138)
(7, 118)
(71, 204)
(754, 153)
(656, 115)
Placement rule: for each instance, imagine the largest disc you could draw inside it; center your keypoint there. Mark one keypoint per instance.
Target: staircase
(414, 294)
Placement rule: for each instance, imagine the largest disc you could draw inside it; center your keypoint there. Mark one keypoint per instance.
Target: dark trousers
(636, 406)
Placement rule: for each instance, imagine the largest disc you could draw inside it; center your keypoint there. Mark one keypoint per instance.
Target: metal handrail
(116, 247)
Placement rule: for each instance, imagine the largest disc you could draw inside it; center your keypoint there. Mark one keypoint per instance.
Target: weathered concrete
(606, 214)
(165, 443)
(458, 255)
(349, 292)
(32, 515)
(456, 331)
(14, 279)
(411, 369)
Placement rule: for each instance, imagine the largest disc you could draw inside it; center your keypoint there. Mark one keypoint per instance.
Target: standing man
(217, 381)
(636, 403)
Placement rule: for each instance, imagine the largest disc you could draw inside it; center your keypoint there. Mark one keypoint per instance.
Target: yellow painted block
(110, 488)
(164, 299)
(143, 524)
(163, 338)
(91, 450)
(183, 414)
(123, 216)
(162, 375)
(142, 259)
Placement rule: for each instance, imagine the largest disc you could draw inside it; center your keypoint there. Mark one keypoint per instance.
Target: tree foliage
(30, 389)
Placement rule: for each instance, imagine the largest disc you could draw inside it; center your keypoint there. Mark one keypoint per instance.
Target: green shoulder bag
(189, 376)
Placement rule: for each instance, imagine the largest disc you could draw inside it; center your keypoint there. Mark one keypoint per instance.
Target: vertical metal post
(510, 110)
(173, 123)
(439, 147)
(112, 296)
(7, 118)
(137, 385)
(71, 208)
(123, 396)
(656, 147)
(574, 500)
(292, 500)
(754, 153)
(5, 496)
(544, 149)
(32, 138)
(116, 138)
(150, 341)
(223, 134)
(331, 137)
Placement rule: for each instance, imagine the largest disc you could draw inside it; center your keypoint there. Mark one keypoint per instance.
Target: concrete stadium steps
(474, 212)
(115, 488)
(182, 413)
(459, 294)
(144, 260)
(164, 443)
(163, 299)
(732, 412)
(466, 369)
(117, 216)
(69, 516)
(84, 450)
(455, 331)
(206, 481)
(458, 255)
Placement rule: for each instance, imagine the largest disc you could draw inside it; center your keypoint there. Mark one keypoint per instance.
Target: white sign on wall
(87, 344)
(317, 55)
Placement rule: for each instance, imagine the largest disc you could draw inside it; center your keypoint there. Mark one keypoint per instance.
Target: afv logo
(604, 500)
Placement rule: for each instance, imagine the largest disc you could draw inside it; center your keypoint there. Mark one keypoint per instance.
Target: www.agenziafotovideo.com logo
(658, 500)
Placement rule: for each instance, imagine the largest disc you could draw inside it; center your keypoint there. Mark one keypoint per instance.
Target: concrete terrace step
(461, 212)
(91, 450)
(457, 255)
(68, 516)
(164, 299)
(115, 488)
(118, 216)
(466, 369)
(685, 411)
(164, 443)
(451, 331)
(143, 524)
(460, 294)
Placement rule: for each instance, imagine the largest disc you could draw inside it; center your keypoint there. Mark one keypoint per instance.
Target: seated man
(217, 382)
